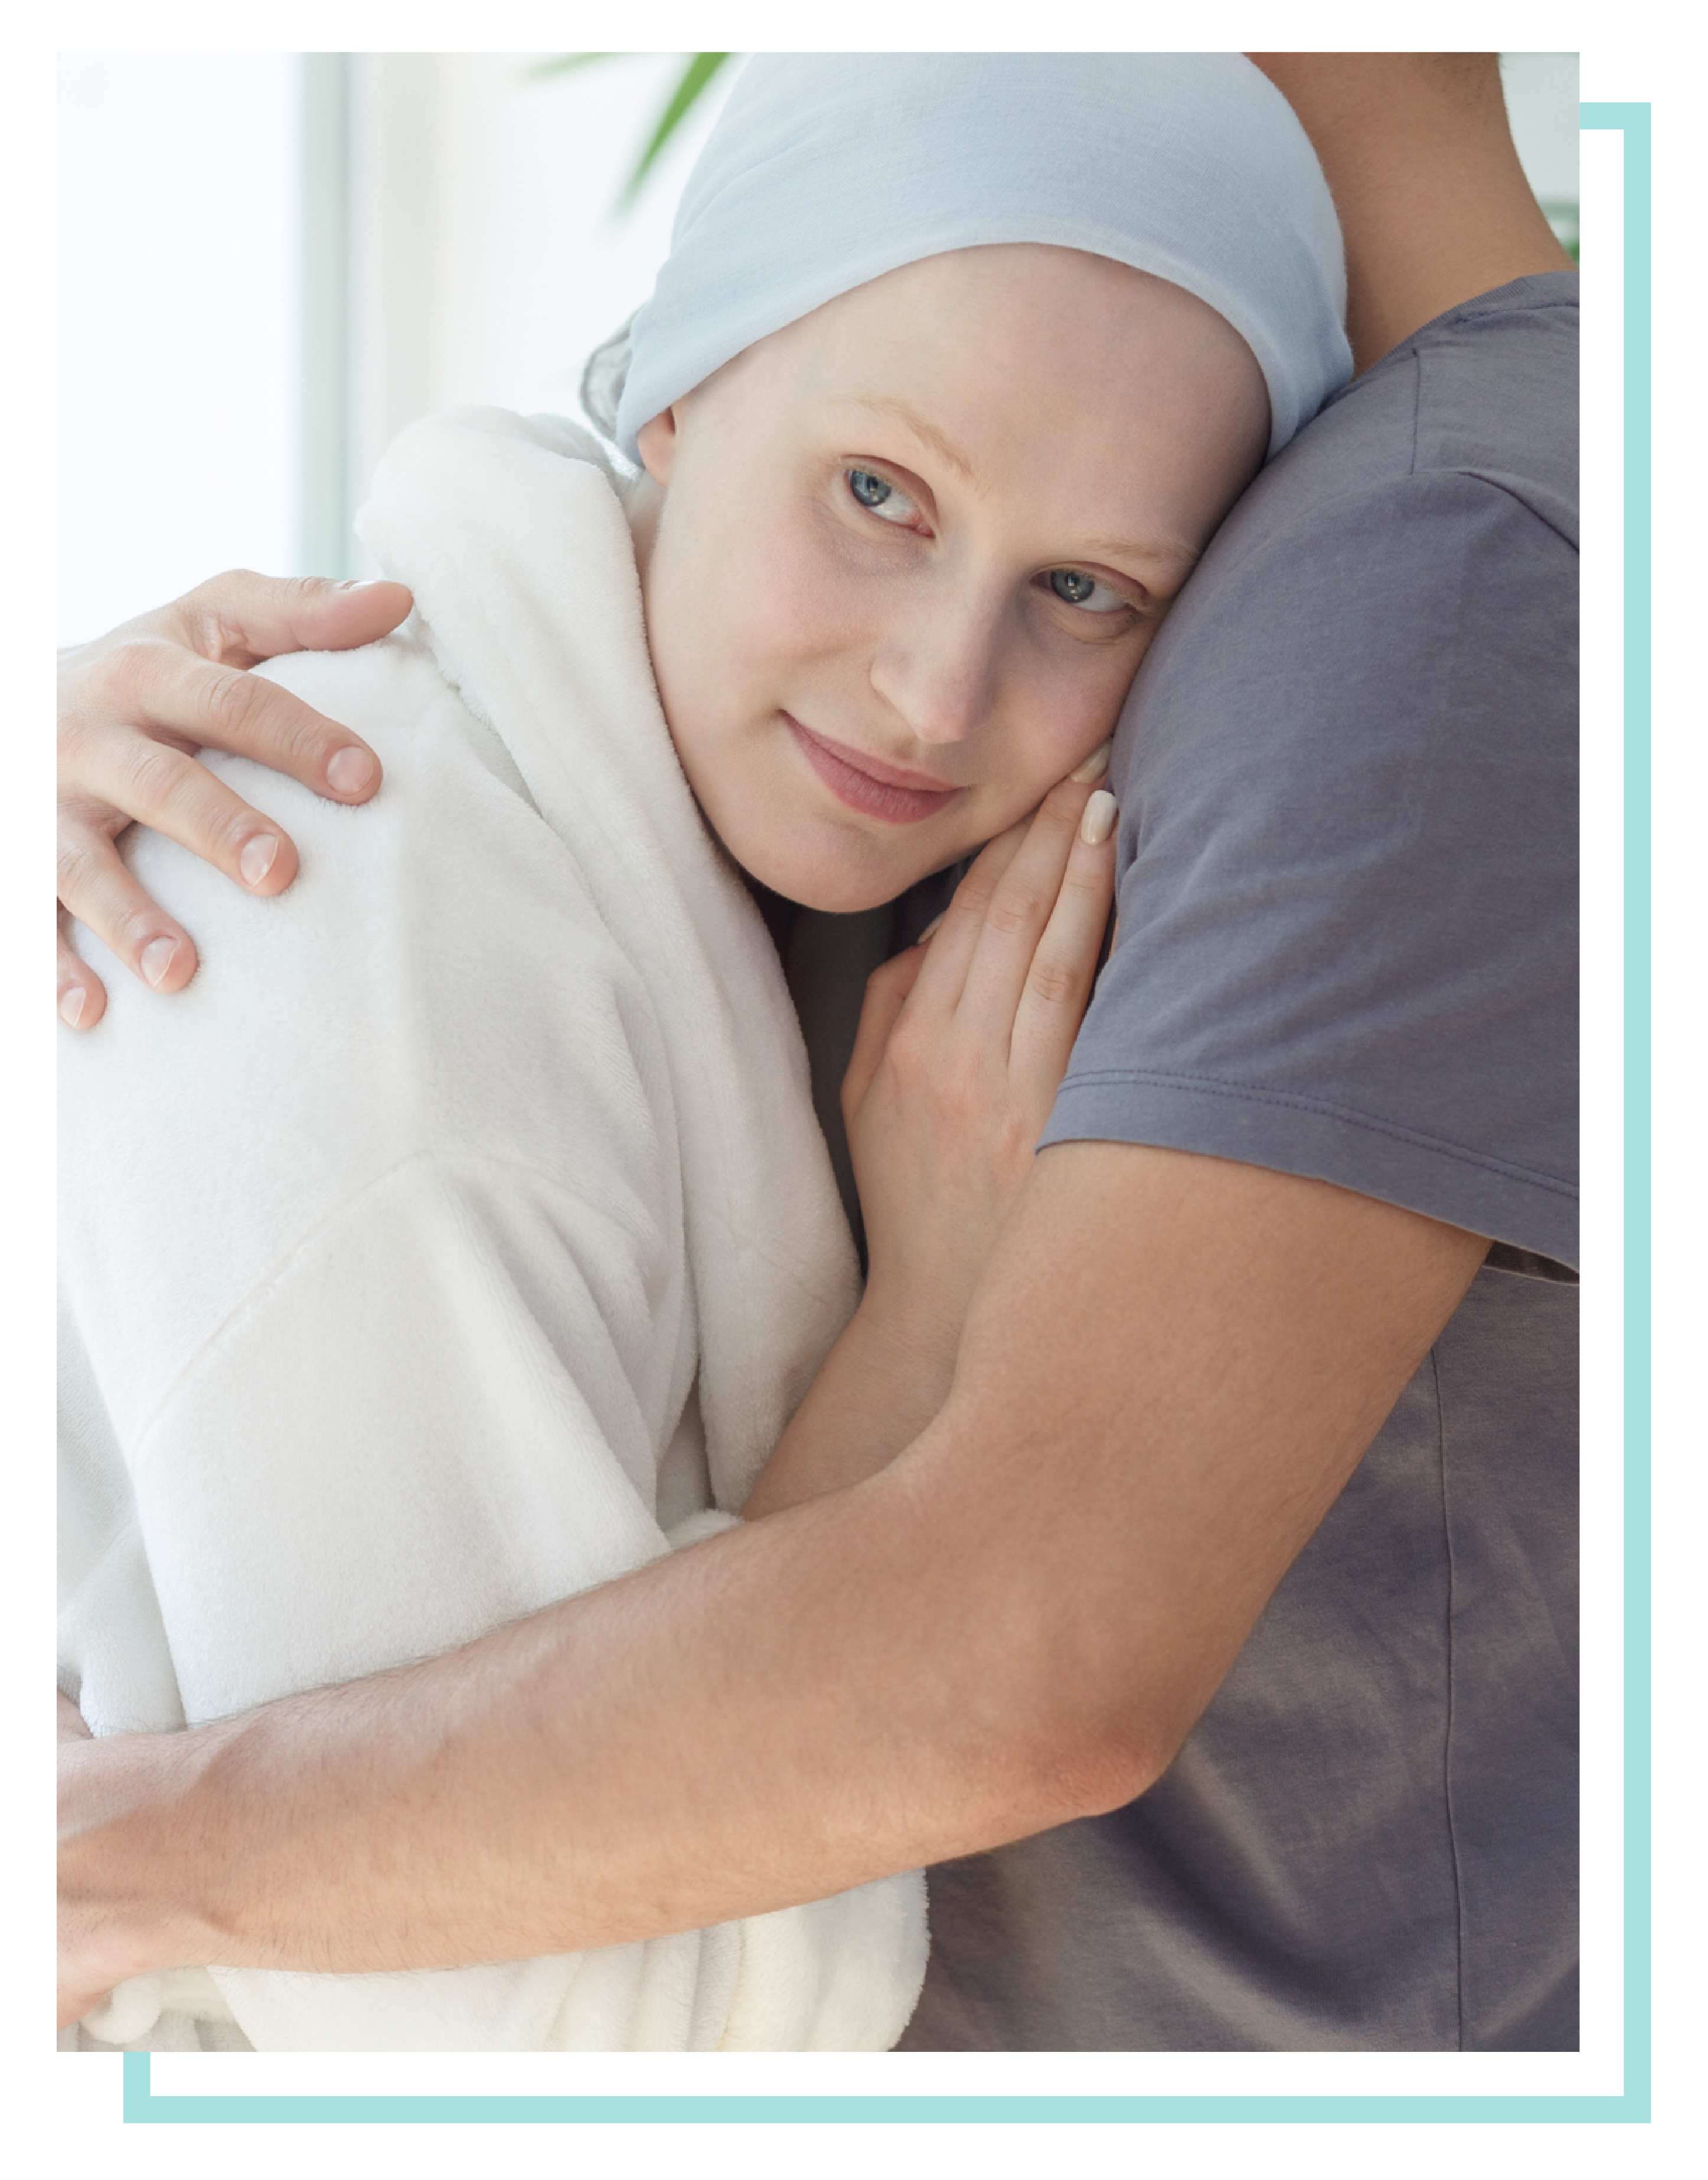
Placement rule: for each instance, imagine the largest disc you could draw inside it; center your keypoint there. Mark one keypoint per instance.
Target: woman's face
(901, 559)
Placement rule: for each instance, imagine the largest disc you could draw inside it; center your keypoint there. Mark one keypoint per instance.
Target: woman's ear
(658, 440)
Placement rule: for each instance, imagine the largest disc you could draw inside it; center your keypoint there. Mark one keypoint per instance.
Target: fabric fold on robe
(462, 1228)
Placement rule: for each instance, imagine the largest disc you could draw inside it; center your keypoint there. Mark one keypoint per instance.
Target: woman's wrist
(909, 1324)
(882, 1384)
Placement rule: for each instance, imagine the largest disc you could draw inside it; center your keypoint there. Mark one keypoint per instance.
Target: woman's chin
(833, 900)
(821, 865)
(836, 888)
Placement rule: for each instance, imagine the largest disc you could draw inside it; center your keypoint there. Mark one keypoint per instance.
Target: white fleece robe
(462, 1227)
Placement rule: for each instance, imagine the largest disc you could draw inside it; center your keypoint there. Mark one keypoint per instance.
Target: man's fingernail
(349, 771)
(71, 1004)
(931, 927)
(157, 960)
(1095, 765)
(259, 852)
(1099, 820)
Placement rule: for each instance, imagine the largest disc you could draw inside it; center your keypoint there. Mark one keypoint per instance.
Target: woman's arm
(136, 705)
(963, 1040)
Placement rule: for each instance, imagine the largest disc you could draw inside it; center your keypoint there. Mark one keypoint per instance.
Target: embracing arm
(1173, 1365)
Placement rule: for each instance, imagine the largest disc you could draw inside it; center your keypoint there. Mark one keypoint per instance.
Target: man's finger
(155, 684)
(157, 784)
(73, 1726)
(96, 887)
(82, 995)
(1058, 984)
(240, 617)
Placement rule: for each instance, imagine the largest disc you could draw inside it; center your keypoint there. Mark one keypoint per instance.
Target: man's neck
(1433, 202)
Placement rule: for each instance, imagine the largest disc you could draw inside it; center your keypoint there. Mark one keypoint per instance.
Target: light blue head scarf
(825, 170)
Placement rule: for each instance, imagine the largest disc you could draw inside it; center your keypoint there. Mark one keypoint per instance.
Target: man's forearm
(1172, 1367)
(593, 1774)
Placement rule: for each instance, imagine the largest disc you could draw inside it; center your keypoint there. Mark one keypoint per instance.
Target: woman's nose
(938, 672)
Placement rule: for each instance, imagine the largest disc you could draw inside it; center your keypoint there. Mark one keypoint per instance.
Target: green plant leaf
(699, 72)
(561, 63)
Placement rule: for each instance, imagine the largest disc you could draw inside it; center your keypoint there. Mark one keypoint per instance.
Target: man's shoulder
(1437, 493)
(1485, 395)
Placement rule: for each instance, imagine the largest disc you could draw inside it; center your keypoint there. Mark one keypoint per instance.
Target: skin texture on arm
(1171, 1367)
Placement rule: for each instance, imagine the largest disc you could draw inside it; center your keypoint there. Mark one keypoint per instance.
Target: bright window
(219, 386)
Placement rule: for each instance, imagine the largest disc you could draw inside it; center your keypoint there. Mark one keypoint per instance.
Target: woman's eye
(1076, 588)
(885, 500)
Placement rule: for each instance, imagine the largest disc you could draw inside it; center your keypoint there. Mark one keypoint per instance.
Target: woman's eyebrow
(888, 405)
(1169, 552)
(1166, 552)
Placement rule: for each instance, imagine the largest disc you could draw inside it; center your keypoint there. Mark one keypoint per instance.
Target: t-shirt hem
(1292, 1134)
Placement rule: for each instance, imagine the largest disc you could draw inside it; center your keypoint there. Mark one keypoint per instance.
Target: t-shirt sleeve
(1348, 943)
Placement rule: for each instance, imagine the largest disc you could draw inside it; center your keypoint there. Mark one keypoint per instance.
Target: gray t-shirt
(1347, 948)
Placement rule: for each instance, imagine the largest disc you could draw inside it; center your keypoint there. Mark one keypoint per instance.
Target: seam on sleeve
(1470, 476)
(310, 1240)
(1288, 1100)
(1494, 484)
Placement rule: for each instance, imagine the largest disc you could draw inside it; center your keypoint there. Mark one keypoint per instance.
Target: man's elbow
(1077, 1737)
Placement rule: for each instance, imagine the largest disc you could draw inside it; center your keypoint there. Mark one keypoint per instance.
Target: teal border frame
(1665, 1195)
(1665, 2009)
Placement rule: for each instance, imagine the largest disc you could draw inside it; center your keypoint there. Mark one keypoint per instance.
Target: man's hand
(78, 1982)
(134, 708)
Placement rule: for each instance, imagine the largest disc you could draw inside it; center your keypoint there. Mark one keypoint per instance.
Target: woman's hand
(962, 1043)
(134, 708)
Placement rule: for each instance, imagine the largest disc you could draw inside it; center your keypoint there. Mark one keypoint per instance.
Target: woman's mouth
(868, 784)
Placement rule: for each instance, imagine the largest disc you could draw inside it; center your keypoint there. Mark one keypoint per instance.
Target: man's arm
(1172, 1366)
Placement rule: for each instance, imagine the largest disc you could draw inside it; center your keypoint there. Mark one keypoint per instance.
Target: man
(1254, 1804)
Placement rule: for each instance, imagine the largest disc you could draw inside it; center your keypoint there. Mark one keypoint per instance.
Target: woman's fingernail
(361, 583)
(157, 960)
(931, 927)
(1095, 765)
(349, 771)
(1099, 820)
(259, 852)
(71, 1003)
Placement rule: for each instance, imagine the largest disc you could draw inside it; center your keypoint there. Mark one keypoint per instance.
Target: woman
(523, 1249)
